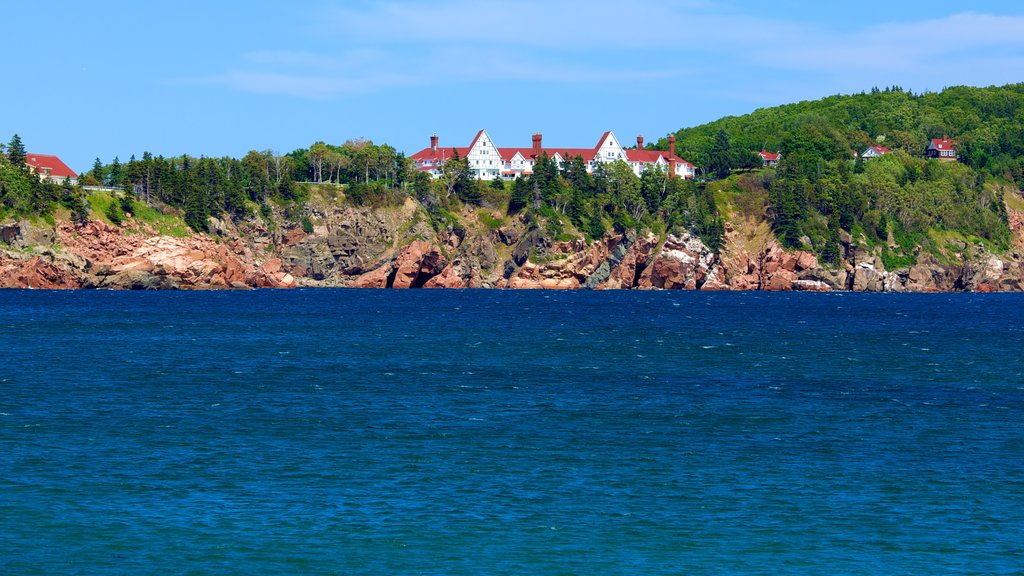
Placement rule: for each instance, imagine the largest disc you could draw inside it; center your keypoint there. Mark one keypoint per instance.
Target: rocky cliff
(397, 247)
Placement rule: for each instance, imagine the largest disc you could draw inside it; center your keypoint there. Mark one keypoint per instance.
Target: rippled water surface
(493, 432)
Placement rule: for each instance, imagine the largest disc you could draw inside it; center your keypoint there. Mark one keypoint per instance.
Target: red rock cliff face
(35, 272)
(98, 255)
(397, 248)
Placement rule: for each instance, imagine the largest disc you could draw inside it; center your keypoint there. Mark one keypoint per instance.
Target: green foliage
(114, 213)
(520, 195)
(818, 190)
(23, 194)
(127, 201)
(373, 194)
(489, 221)
(16, 151)
(307, 225)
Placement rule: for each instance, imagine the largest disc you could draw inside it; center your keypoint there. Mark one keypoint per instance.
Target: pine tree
(16, 151)
(115, 176)
(80, 211)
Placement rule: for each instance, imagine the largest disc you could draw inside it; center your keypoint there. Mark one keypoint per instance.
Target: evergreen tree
(127, 198)
(115, 175)
(721, 155)
(520, 195)
(16, 151)
(80, 209)
(114, 213)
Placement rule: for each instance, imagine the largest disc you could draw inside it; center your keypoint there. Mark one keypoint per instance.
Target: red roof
(880, 149)
(943, 144)
(441, 153)
(565, 153)
(769, 156)
(588, 154)
(43, 162)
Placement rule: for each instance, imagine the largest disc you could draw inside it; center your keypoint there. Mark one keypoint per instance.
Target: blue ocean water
(508, 432)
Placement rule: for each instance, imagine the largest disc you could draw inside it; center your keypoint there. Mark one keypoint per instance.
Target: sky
(112, 78)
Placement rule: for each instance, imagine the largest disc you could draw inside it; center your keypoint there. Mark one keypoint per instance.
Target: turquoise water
(499, 432)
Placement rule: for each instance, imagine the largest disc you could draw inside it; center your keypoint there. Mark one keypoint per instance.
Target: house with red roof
(769, 158)
(874, 152)
(50, 167)
(488, 161)
(942, 149)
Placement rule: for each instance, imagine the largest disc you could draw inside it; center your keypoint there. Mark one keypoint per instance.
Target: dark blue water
(492, 432)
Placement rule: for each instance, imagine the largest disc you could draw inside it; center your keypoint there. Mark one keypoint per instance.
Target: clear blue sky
(88, 79)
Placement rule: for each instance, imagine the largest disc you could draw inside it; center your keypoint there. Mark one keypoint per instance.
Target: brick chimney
(433, 142)
(671, 155)
(537, 144)
(640, 142)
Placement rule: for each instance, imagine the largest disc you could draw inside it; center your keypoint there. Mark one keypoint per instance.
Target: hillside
(900, 202)
(359, 214)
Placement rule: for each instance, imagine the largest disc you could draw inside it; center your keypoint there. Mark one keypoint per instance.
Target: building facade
(51, 168)
(942, 149)
(489, 162)
(874, 152)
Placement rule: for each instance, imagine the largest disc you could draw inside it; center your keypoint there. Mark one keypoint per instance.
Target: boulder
(377, 278)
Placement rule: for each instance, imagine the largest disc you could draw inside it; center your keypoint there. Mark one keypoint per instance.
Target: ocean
(510, 432)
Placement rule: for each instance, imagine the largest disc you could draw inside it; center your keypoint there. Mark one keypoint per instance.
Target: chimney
(536, 144)
(671, 155)
(640, 142)
(433, 142)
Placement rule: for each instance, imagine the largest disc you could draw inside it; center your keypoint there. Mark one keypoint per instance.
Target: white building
(50, 168)
(874, 152)
(488, 162)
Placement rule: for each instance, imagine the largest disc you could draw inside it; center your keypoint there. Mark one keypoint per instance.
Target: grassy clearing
(1014, 201)
(166, 224)
(490, 222)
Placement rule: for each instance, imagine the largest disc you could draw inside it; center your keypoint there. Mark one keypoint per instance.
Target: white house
(487, 161)
(874, 152)
(50, 167)
(769, 158)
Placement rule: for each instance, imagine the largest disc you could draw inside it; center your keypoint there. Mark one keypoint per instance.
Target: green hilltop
(821, 186)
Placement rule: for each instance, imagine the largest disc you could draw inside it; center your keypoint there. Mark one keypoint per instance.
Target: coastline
(394, 247)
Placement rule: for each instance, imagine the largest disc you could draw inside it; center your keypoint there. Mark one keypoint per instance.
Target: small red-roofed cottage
(874, 152)
(942, 149)
(50, 167)
(769, 158)
(488, 162)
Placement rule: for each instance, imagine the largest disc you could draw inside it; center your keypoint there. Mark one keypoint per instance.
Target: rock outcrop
(396, 247)
(35, 272)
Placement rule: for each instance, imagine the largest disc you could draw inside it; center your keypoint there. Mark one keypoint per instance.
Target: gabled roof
(942, 144)
(878, 150)
(58, 169)
(442, 153)
(430, 156)
(769, 156)
(653, 156)
(529, 154)
(473, 143)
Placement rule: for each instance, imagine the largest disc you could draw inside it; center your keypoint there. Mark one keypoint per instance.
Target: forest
(821, 186)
